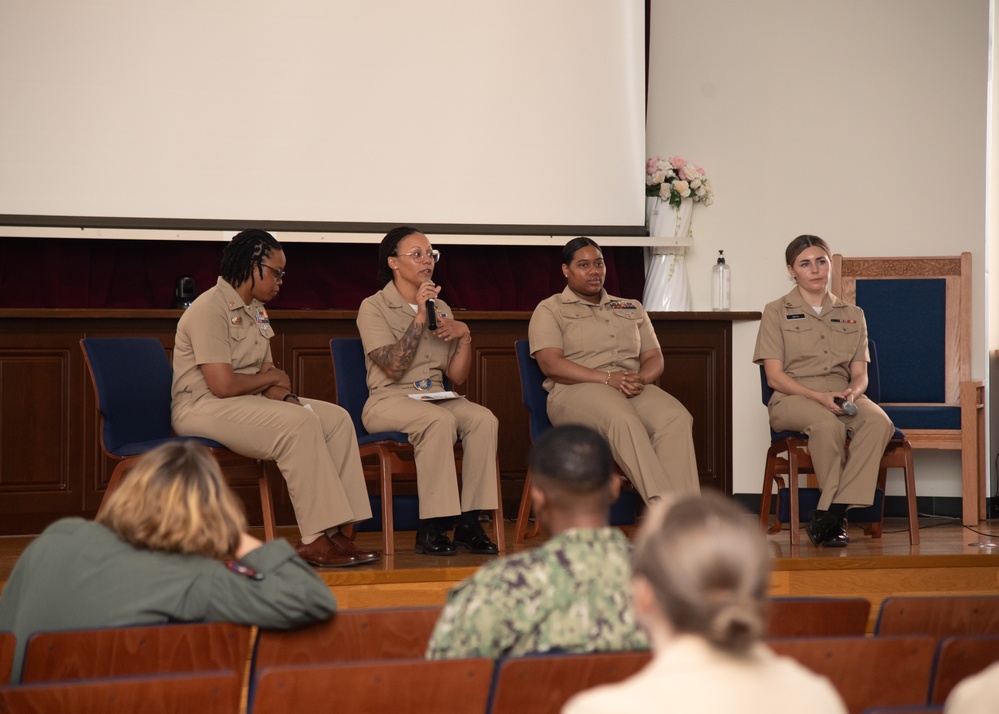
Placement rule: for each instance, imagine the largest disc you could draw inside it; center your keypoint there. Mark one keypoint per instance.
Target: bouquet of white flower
(674, 179)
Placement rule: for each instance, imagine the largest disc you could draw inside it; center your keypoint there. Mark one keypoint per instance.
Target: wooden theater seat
(398, 686)
(126, 651)
(958, 658)
(867, 671)
(939, 615)
(818, 616)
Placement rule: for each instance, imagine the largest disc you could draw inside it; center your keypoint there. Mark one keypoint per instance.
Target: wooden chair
(867, 671)
(142, 650)
(925, 709)
(535, 399)
(788, 456)
(927, 388)
(400, 687)
(390, 450)
(8, 644)
(350, 636)
(939, 615)
(542, 684)
(201, 692)
(132, 380)
(958, 658)
(818, 616)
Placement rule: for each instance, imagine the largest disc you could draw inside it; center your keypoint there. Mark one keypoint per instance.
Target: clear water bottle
(721, 284)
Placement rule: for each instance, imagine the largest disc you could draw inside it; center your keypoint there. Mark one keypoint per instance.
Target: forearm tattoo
(395, 359)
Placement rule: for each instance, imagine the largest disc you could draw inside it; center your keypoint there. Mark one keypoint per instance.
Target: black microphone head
(431, 315)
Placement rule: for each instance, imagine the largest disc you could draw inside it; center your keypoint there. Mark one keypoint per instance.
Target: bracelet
(607, 381)
(462, 342)
(289, 395)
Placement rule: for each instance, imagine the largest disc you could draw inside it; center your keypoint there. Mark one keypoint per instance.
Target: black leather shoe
(837, 536)
(471, 537)
(819, 527)
(431, 540)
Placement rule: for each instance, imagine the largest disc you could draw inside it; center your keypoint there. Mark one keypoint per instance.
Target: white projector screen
(323, 112)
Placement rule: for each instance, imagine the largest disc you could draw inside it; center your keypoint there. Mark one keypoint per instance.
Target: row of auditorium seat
(370, 660)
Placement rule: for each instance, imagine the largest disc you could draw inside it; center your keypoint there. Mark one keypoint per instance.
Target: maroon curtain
(96, 274)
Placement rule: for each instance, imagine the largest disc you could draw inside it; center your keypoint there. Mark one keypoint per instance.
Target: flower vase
(666, 284)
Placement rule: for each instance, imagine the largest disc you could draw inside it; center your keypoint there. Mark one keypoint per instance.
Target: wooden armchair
(919, 311)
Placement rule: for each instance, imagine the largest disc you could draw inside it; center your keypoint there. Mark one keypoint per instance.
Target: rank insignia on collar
(423, 384)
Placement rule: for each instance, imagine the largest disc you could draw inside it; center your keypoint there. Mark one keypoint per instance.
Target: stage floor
(950, 559)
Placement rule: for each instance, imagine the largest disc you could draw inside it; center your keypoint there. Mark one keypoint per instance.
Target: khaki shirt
(219, 328)
(814, 348)
(607, 336)
(382, 320)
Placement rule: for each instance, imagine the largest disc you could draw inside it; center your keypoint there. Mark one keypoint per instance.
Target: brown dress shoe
(344, 545)
(323, 554)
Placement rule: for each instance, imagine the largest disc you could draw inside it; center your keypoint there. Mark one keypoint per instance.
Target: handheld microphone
(849, 408)
(431, 315)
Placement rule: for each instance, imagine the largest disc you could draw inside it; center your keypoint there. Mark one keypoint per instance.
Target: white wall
(861, 121)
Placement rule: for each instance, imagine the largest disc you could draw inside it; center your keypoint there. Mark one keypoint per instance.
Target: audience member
(976, 694)
(571, 594)
(700, 586)
(157, 553)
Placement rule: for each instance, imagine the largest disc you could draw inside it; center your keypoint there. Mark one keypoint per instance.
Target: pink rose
(677, 162)
(652, 165)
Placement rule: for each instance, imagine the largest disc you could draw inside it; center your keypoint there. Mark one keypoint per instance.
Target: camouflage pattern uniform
(573, 594)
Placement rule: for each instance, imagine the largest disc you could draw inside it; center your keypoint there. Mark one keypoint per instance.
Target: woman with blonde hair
(701, 570)
(171, 546)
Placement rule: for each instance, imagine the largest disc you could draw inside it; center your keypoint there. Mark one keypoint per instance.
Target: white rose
(682, 188)
(664, 191)
(695, 184)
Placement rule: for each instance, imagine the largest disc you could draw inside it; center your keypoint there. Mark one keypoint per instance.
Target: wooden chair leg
(266, 503)
(388, 526)
(498, 524)
(792, 490)
(875, 529)
(523, 514)
(123, 466)
(910, 495)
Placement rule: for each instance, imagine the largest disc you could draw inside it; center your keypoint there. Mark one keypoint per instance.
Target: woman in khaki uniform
(813, 348)
(405, 357)
(227, 388)
(600, 356)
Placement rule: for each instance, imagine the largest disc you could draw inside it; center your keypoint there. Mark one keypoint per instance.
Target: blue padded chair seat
(141, 447)
(396, 436)
(924, 417)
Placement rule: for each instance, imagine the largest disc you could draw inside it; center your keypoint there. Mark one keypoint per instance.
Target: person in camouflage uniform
(573, 594)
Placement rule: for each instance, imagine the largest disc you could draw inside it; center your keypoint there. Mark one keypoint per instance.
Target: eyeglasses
(279, 274)
(419, 255)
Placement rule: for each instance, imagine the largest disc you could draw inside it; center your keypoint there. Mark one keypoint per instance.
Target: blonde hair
(176, 500)
(708, 566)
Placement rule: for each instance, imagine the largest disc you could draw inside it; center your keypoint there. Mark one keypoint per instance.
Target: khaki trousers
(316, 451)
(433, 429)
(649, 435)
(845, 476)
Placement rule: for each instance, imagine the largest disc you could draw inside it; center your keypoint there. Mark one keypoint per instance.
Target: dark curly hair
(387, 249)
(247, 249)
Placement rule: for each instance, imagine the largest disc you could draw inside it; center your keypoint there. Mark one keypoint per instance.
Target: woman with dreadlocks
(227, 388)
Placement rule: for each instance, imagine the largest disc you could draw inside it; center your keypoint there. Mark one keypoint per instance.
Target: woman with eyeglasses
(408, 356)
(226, 387)
(601, 356)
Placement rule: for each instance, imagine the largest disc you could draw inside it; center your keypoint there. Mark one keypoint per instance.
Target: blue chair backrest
(908, 317)
(873, 391)
(351, 377)
(532, 381)
(133, 378)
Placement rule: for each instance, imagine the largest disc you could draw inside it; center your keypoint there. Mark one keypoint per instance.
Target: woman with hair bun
(701, 570)
(170, 546)
(813, 348)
